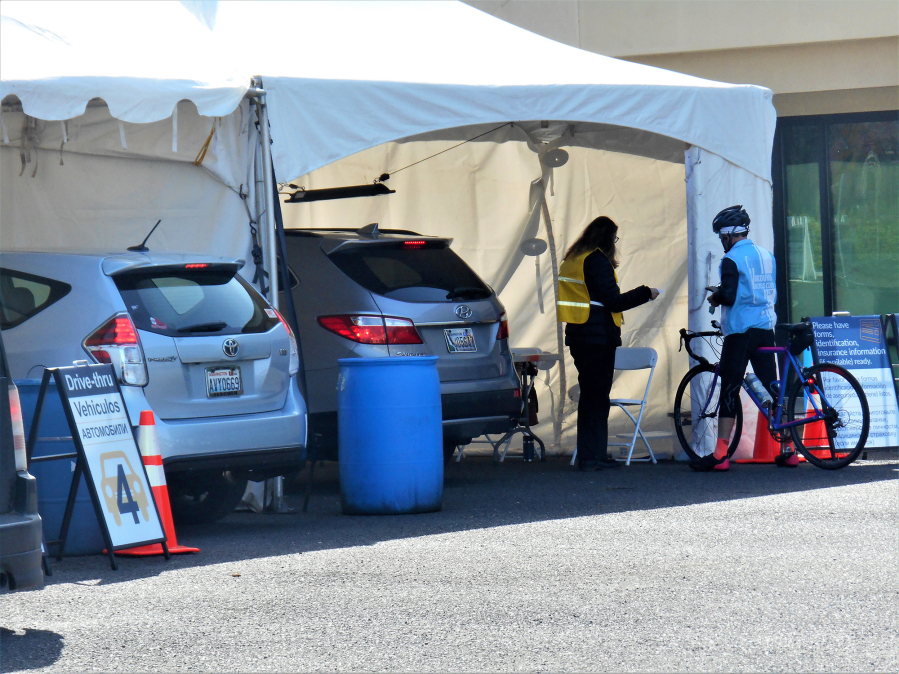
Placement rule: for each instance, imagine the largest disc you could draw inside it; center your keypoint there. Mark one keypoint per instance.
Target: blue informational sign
(857, 343)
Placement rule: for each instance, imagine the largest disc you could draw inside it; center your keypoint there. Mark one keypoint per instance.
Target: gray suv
(191, 340)
(374, 293)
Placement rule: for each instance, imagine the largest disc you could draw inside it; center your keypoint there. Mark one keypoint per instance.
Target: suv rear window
(183, 302)
(427, 274)
(25, 295)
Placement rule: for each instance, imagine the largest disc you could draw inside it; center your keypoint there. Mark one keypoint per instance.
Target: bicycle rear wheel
(696, 413)
(836, 440)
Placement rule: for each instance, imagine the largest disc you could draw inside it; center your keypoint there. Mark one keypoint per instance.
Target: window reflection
(864, 172)
(802, 200)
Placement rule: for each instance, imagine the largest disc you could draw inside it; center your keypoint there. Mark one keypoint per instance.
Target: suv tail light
(401, 331)
(18, 428)
(372, 329)
(294, 350)
(503, 332)
(116, 342)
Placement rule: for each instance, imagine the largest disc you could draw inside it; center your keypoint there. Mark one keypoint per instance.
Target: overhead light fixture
(349, 192)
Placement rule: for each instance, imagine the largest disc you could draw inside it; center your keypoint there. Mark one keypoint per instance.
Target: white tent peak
(204, 11)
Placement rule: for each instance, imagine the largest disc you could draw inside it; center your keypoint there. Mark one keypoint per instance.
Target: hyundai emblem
(463, 311)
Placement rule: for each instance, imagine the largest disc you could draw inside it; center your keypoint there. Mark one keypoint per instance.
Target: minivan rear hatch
(213, 346)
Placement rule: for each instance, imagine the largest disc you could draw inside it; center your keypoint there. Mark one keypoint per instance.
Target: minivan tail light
(503, 332)
(294, 350)
(116, 342)
(401, 331)
(18, 428)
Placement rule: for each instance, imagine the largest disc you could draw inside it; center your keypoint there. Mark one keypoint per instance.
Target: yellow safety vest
(574, 300)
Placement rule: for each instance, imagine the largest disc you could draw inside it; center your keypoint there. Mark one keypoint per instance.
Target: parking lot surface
(528, 567)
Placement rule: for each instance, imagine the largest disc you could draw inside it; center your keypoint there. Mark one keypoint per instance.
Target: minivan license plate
(223, 381)
(460, 340)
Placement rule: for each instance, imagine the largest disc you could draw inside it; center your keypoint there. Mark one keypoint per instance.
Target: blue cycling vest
(756, 290)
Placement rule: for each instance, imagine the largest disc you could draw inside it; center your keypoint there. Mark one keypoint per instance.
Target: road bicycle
(826, 412)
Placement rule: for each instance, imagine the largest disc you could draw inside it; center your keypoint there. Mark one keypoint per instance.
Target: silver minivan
(191, 340)
(375, 293)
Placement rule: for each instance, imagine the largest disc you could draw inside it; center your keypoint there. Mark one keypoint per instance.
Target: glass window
(864, 169)
(182, 302)
(411, 274)
(25, 295)
(802, 201)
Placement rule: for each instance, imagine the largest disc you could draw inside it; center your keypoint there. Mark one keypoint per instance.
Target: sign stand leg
(70, 508)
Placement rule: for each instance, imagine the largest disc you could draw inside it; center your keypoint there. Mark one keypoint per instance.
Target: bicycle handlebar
(686, 336)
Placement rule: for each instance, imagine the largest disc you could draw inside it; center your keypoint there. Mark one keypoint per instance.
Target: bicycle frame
(789, 363)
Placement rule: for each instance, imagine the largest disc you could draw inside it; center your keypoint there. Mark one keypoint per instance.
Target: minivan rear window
(25, 295)
(184, 302)
(428, 274)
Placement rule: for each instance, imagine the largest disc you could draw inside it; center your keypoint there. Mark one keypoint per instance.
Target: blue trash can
(390, 435)
(54, 478)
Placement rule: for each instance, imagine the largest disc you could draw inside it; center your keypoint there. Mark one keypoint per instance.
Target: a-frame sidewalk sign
(106, 453)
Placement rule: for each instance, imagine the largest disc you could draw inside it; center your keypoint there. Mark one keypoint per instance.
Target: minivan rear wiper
(470, 292)
(214, 326)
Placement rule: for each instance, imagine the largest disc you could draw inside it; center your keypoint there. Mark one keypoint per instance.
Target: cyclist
(746, 296)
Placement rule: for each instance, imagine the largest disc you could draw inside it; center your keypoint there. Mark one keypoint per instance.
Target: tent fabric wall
(714, 183)
(91, 192)
(480, 194)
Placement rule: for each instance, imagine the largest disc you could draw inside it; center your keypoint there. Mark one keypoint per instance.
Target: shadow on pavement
(31, 650)
(477, 495)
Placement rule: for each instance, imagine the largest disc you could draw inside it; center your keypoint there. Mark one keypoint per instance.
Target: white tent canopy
(341, 79)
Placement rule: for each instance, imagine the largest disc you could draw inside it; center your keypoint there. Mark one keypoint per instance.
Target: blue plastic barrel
(390, 435)
(54, 478)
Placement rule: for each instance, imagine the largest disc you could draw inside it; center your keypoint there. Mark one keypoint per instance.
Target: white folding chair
(630, 358)
(635, 358)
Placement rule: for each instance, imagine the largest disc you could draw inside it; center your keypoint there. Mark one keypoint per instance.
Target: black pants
(595, 368)
(738, 350)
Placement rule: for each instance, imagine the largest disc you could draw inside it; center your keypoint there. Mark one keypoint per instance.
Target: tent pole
(268, 190)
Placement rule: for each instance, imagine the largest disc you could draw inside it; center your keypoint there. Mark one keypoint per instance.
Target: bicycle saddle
(795, 328)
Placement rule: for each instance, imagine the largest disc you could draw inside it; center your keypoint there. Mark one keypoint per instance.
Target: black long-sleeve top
(730, 279)
(599, 275)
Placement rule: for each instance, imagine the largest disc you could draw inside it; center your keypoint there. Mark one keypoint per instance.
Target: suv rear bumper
(20, 538)
(468, 415)
(244, 441)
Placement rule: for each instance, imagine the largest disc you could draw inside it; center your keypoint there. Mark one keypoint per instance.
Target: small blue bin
(390, 435)
(54, 478)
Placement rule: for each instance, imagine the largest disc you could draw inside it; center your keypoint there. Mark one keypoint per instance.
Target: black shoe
(706, 463)
(586, 464)
(607, 464)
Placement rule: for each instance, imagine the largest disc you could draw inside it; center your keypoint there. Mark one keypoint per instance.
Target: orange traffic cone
(149, 449)
(815, 435)
(766, 448)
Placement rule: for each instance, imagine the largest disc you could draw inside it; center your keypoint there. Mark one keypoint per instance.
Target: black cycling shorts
(738, 350)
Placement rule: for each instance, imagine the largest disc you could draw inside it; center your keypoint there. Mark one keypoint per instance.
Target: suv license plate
(460, 340)
(223, 381)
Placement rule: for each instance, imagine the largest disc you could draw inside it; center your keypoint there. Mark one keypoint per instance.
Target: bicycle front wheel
(696, 413)
(836, 440)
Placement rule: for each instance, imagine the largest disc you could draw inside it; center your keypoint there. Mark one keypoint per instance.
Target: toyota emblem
(463, 311)
(231, 347)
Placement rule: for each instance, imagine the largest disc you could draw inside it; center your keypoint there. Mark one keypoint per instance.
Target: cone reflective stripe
(149, 449)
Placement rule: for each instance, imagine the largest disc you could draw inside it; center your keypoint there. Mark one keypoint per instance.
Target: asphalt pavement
(528, 567)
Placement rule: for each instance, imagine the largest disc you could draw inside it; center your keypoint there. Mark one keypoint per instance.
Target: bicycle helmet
(732, 220)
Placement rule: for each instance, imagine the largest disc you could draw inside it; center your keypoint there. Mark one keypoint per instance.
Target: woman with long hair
(591, 306)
